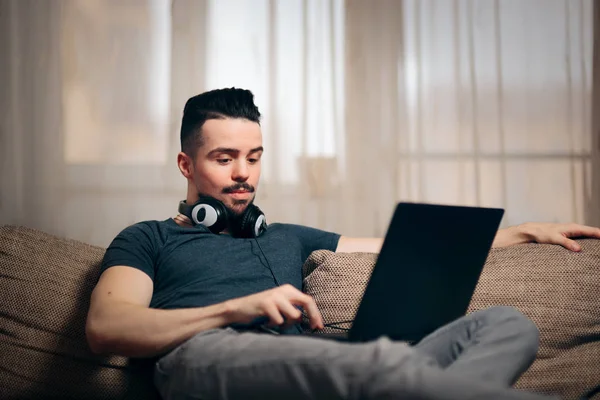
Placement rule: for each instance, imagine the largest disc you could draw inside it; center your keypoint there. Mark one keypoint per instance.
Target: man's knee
(507, 314)
(517, 324)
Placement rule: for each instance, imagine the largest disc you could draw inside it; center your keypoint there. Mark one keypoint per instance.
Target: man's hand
(276, 304)
(548, 233)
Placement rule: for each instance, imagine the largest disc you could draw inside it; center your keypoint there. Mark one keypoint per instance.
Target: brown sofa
(46, 281)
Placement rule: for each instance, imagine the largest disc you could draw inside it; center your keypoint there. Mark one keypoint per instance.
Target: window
(116, 58)
(290, 54)
(499, 106)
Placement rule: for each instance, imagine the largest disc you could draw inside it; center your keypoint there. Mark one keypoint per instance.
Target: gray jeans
(478, 356)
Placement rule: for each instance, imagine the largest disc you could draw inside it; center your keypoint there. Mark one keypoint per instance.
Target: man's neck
(186, 222)
(183, 221)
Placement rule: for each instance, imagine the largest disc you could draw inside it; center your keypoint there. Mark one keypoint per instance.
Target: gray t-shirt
(193, 267)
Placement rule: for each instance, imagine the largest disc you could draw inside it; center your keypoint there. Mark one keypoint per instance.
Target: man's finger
(273, 313)
(313, 313)
(287, 309)
(587, 231)
(300, 298)
(569, 244)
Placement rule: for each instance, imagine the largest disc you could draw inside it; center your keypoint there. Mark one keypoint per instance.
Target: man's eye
(253, 160)
(223, 160)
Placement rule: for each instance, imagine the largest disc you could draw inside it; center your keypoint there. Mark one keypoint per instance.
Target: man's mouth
(239, 194)
(243, 188)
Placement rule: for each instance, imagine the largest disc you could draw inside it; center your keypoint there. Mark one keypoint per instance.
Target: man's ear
(185, 164)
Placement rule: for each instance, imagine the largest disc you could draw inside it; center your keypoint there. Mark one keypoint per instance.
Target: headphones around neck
(213, 214)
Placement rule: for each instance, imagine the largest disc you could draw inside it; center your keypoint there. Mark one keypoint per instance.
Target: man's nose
(240, 172)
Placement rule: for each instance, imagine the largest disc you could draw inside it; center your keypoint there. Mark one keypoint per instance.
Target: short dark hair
(214, 104)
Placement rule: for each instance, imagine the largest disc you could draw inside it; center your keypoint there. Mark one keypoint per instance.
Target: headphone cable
(331, 325)
(268, 263)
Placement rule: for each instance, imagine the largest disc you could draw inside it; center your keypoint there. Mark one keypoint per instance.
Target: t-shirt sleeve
(134, 247)
(313, 239)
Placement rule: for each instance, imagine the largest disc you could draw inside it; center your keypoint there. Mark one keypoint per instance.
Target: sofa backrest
(45, 287)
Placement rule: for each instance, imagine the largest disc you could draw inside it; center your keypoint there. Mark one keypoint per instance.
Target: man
(201, 298)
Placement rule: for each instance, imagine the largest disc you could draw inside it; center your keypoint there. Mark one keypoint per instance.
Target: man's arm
(120, 321)
(549, 233)
(358, 245)
(559, 234)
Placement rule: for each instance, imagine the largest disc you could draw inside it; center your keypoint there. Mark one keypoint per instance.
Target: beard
(235, 207)
(238, 206)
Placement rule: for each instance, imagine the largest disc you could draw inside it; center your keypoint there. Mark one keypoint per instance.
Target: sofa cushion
(558, 289)
(45, 285)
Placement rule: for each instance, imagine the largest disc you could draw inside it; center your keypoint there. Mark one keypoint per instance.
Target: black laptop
(426, 272)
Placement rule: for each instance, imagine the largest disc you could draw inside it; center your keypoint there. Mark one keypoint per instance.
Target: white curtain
(365, 103)
(494, 109)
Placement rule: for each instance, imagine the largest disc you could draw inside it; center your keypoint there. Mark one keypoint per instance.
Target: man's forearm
(359, 245)
(505, 237)
(137, 331)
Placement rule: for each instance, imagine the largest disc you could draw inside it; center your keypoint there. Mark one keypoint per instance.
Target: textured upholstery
(46, 282)
(558, 289)
(45, 286)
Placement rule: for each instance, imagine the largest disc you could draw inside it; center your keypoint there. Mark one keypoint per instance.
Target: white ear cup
(203, 214)
(259, 225)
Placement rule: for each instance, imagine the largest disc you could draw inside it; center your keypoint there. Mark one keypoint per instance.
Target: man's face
(227, 165)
